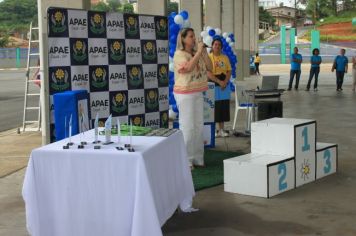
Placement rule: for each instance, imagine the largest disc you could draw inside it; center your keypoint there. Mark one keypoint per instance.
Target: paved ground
(325, 207)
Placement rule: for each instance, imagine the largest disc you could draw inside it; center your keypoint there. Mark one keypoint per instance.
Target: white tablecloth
(106, 191)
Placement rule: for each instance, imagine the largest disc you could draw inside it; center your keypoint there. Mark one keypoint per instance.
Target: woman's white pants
(191, 123)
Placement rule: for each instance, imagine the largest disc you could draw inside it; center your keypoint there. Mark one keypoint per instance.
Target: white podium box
(209, 103)
(326, 159)
(260, 175)
(288, 137)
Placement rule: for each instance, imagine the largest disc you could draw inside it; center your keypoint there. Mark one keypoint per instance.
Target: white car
(288, 26)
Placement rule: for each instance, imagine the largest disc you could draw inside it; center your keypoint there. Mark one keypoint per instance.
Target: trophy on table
(119, 135)
(83, 126)
(96, 132)
(108, 131)
(70, 143)
(129, 146)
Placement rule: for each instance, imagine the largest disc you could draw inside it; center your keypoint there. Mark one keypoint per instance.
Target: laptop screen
(270, 82)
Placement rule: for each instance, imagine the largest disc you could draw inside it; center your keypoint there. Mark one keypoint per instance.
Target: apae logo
(97, 24)
(58, 19)
(60, 79)
(163, 75)
(117, 52)
(137, 121)
(98, 76)
(79, 50)
(149, 51)
(161, 28)
(132, 26)
(119, 102)
(152, 99)
(164, 119)
(135, 76)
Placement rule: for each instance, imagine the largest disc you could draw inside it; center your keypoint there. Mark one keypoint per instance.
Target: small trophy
(108, 131)
(65, 132)
(70, 143)
(119, 135)
(129, 146)
(96, 129)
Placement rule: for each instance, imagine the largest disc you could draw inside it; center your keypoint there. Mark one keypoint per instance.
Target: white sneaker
(217, 134)
(224, 133)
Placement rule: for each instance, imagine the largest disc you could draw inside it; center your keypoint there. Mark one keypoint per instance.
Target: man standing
(295, 62)
(340, 64)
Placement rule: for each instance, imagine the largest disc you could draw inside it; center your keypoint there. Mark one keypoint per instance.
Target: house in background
(286, 15)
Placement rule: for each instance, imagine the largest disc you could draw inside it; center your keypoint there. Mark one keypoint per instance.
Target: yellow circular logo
(116, 45)
(162, 23)
(163, 70)
(59, 74)
(79, 45)
(137, 121)
(149, 46)
(131, 20)
(119, 97)
(58, 16)
(151, 94)
(134, 71)
(97, 19)
(164, 116)
(99, 72)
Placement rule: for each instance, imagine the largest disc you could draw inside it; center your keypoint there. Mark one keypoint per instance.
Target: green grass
(333, 38)
(345, 16)
(213, 172)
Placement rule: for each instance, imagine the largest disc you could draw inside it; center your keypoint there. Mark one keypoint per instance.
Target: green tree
(16, 15)
(128, 8)
(172, 7)
(100, 6)
(266, 17)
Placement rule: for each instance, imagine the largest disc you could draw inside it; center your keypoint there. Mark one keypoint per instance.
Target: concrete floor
(324, 207)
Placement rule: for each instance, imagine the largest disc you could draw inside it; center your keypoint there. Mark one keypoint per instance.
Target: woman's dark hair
(315, 49)
(256, 54)
(217, 39)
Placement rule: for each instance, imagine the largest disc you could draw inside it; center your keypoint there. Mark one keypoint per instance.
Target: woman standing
(315, 61)
(353, 73)
(220, 75)
(257, 64)
(191, 63)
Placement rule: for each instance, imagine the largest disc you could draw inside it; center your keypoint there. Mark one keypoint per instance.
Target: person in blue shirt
(315, 61)
(295, 62)
(340, 65)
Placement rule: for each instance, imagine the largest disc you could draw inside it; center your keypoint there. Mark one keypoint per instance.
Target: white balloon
(203, 34)
(208, 40)
(172, 115)
(217, 31)
(225, 35)
(178, 19)
(228, 39)
(231, 44)
(171, 67)
(208, 28)
(170, 59)
(208, 50)
(186, 24)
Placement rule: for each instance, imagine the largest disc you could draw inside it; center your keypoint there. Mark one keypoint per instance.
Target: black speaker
(269, 109)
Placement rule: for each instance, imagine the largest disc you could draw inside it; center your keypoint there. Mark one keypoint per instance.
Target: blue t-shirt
(314, 59)
(341, 62)
(295, 65)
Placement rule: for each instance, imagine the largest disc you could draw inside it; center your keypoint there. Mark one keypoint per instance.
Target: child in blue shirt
(296, 59)
(340, 64)
(315, 61)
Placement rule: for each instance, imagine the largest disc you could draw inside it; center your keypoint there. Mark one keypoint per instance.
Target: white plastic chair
(242, 103)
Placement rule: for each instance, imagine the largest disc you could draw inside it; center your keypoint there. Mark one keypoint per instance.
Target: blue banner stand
(209, 133)
(71, 103)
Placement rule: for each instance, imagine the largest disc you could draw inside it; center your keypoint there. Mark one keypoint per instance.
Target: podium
(284, 155)
(67, 104)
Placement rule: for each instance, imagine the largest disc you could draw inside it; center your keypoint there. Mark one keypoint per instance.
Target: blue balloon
(173, 14)
(212, 32)
(171, 52)
(173, 38)
(184, 14)
(175, 108)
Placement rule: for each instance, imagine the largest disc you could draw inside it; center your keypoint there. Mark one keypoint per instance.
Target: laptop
(270, 82)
